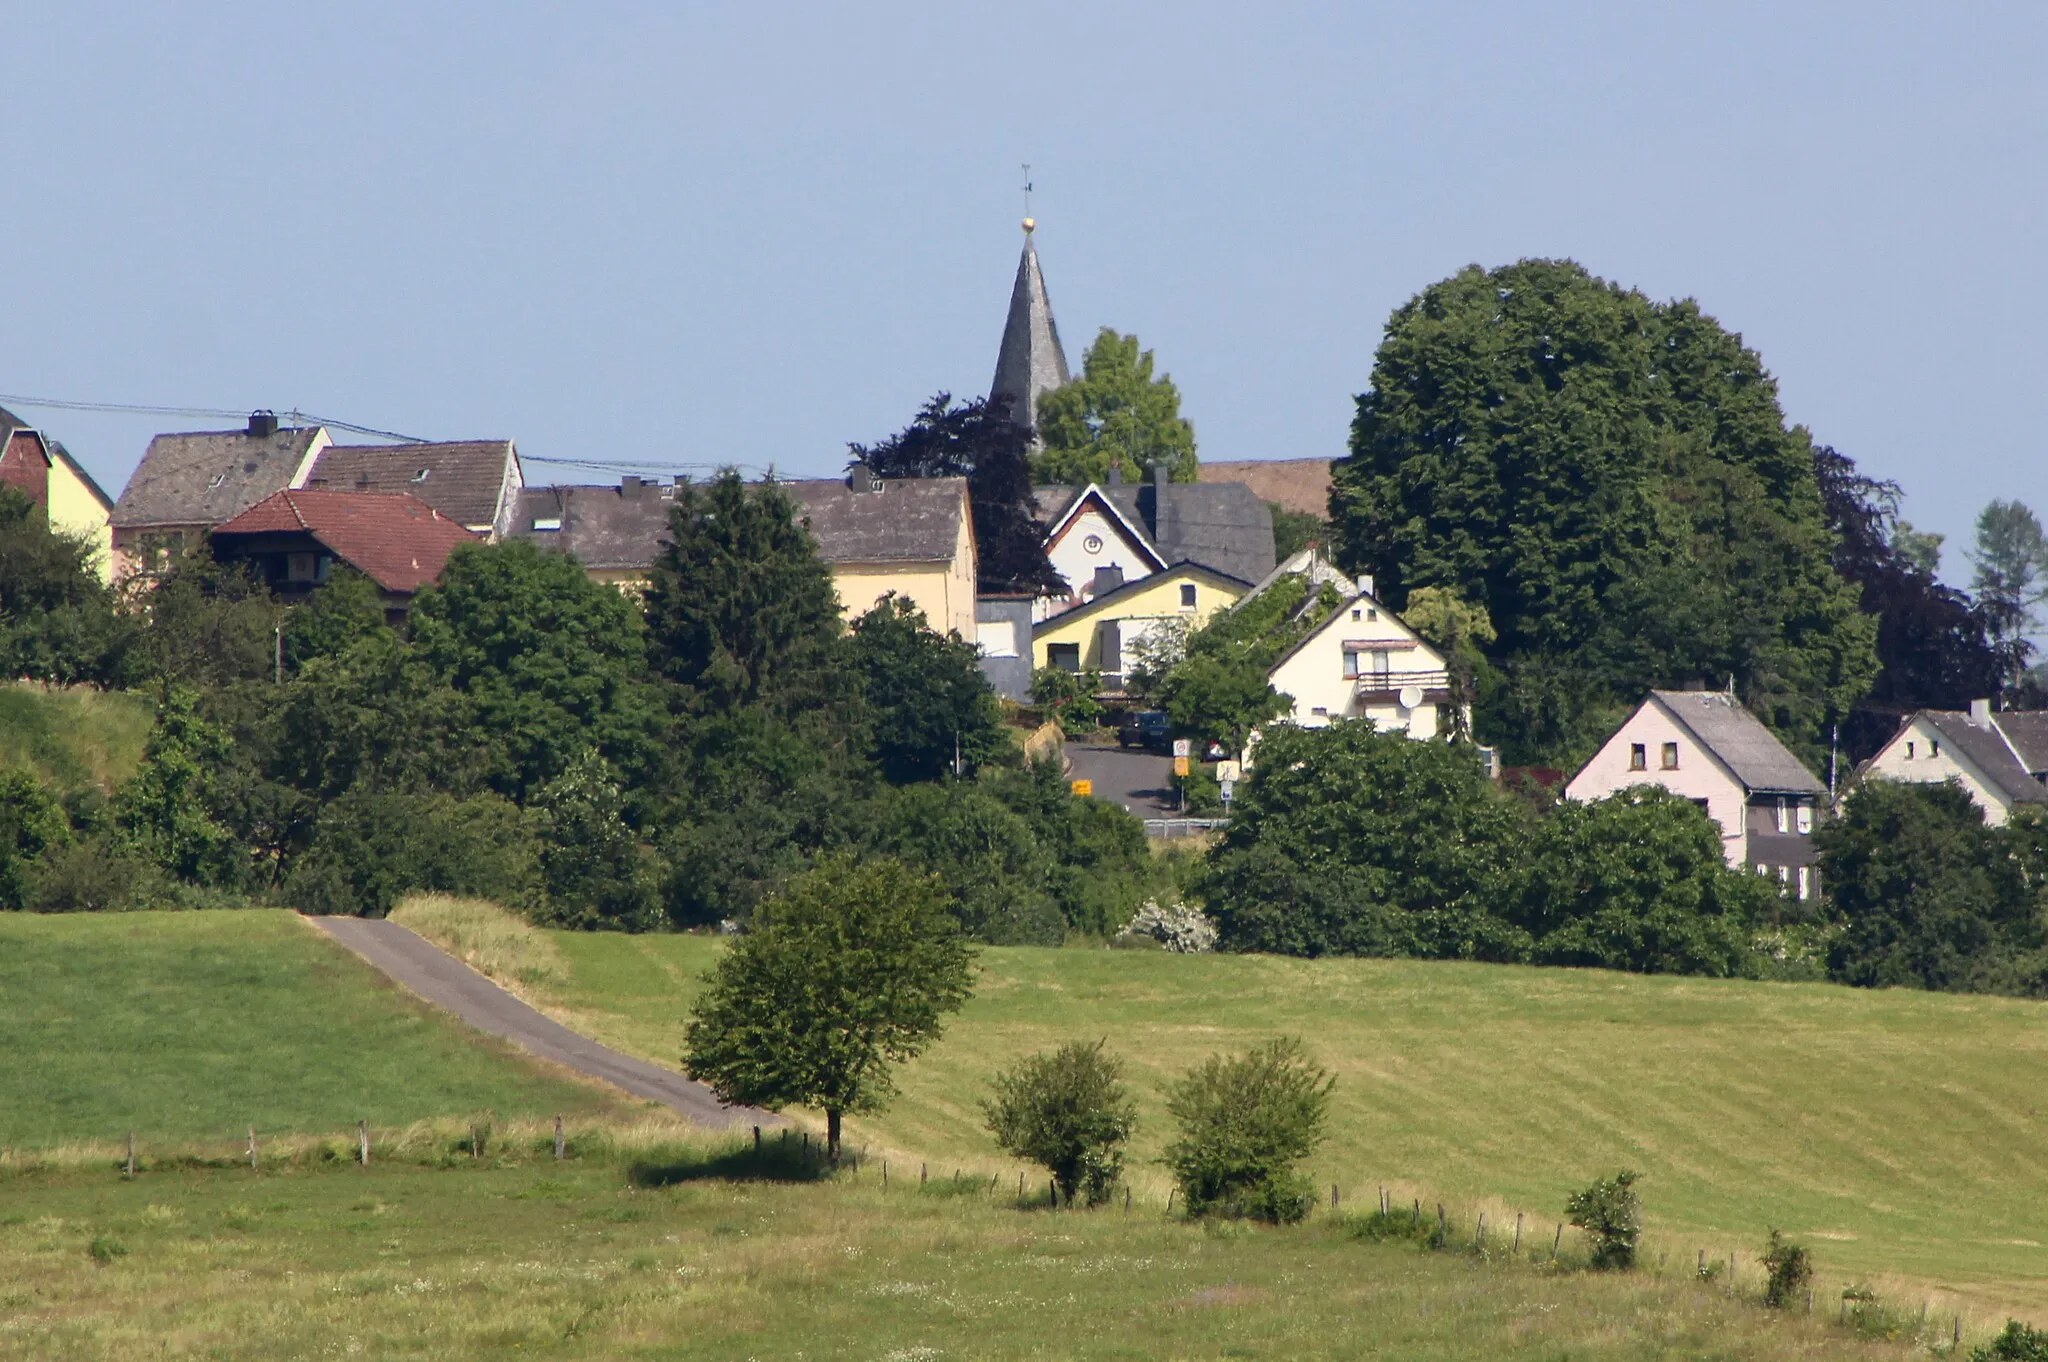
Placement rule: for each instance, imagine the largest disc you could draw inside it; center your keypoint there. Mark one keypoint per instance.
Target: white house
(1704, 746)
(1364, 663)
(1999, 758)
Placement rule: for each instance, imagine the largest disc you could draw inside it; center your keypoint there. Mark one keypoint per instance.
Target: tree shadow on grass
(773, 1161)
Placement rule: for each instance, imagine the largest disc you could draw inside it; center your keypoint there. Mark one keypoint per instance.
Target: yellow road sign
(1084, 787)
(1180, 766)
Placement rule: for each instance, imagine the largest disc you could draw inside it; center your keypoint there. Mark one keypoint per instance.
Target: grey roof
(1741, 742)
(203, 477)
(2026, 730)
(1221, 525)
(469, 481)
(910, 520)
(1987, 751)
(1030, 360)
(609, 528)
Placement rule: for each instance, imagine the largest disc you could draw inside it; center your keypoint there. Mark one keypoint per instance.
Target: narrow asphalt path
(447, 983)
(1136, 779)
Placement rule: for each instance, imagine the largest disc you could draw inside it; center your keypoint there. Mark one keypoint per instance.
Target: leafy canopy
(1068, 1112)
(851, 969)
(928, 703)
(1116, 414)
(1245, 1122)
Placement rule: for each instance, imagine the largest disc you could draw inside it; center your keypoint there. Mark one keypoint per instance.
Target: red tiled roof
(393, 538)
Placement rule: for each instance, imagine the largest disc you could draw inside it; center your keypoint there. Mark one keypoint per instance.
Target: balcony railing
(1392, 682)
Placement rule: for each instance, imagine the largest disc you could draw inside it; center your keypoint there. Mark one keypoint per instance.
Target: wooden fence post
(363, 1142)
(1701, 1270)
(757, 1139)
(1020, 1188)
(1518, 1231)
(1556, 1239)
(1383, 1198)
(561, 1145)
(1334, 1204)
(1479, 1235)
(920, 1174)
(252, 1149)
(131, 1153)
(1169, 1199)
(1443, 1232)
(885, 1175)
(1127, 1200)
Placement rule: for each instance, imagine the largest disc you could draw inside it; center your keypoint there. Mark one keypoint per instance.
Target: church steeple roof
(1030, 360)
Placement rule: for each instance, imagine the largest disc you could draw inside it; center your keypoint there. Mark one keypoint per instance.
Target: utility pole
(277, 661)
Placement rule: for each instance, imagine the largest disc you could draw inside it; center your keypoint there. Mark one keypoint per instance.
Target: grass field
(1900, 1134)
(180, 1025)
(73, 737)
(624, 1257)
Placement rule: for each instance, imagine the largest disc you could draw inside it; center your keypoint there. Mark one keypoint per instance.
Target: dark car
(1143, 728)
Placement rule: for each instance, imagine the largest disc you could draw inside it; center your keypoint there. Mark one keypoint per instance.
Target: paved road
(1139, 780)
(447, 983)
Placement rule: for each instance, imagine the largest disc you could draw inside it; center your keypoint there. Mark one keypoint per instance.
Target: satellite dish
(1411, 697)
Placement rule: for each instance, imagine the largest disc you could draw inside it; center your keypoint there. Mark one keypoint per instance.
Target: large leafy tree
(1116, 414)
(2011, 580)
(550, 660)
(1613, 482)
(741, 611)
(851, 970)
(57, 620)
(1935, 647)
(930, 706)
(982, 442)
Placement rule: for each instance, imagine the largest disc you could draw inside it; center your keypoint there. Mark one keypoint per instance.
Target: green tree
(1294, 531)
(852, 969)
(1068, 1112)
(1245, 1123)
(1224, 699)
(1116, 414)
(373, 847)
(166, 809)
(741, 610)
(1638, 881)
(1349, 841)
(2016, 1343)
(992, 865)
(551, 662)
(927, 700)
(1462, 633)
(2011, 580)
(57, 621)
(591, 871)
(1100, 865)
(203, 623)
(32, 821)
(1068, 698)
(1611, 1214)
(340, 613)
(1613, 482)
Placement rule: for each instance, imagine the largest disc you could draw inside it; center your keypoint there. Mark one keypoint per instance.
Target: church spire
(1030, 361)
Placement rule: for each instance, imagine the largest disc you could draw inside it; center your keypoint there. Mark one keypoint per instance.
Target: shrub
(105, 1248)
(2018, 1343)
(1174, 925)
(1245, 1121)
(1790, 1270)
(1199, 790)
(32, 822)
(1068, 698)
(371, 849)
(1066, 1111)
(90, 875)
(1611, 1213)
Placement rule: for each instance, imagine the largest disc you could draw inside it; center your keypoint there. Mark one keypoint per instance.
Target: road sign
(1229, 790)
(1227, 771)
(1084, 787)
(1180, 765)
(1183, 747)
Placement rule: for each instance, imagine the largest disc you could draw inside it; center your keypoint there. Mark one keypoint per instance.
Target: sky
(689, 235)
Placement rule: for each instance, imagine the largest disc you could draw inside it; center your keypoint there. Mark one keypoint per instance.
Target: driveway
(1138, 780)
(447, 983)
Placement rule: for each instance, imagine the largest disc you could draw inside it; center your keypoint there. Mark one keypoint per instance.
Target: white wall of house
(1091, 539)
(1917, 753)
(1672, 758)
(1346, 669)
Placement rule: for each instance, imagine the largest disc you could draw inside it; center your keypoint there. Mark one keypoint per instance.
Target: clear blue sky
(753, 233)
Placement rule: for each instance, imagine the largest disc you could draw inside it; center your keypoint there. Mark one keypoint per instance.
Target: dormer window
(216, 480)
(421, 476)
(543, 523)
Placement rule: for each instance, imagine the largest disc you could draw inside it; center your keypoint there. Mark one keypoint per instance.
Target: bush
(1176, 926)
(91, 875)
(1068, 698)
(592, 874)
(371, 849)
(1067, 1112)
(1611, 1213)
(1245, 1122)
(1790, 1270)
(1199, 790)
(2018, 1343)
(32, 822)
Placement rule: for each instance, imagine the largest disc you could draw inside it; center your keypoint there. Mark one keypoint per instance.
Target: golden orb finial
(1030, 223)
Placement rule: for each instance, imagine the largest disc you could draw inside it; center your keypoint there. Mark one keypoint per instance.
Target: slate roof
(465, 480)
(608, 528)
(393, 538)
(911, 520)
(204, 477)
(1741, 742)
(1221, 525)
(1988, 751)
(1029, 361)
(1292, 484)
(2026, 730)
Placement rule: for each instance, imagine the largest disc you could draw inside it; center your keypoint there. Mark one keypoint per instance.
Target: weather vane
(1028, 222)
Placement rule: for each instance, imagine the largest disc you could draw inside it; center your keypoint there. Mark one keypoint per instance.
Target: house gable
(1697, 772)
(1933, 746)
(1364, 662)
(1102, 630)
(1093, 532)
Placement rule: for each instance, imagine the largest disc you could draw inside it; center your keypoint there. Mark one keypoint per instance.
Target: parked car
(1143, 728)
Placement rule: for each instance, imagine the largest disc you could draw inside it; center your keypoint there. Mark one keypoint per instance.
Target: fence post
(1518, 1231)
(1555, 1240)
(1334, 1205)
(1383, 1198)
(757, 1139)
(1479, 1235)
(885, 1175)
(131, 1153)
(252, 1149)
(363, 1141)
(1169, 1199)
(1443, 1231)
(1701, 1270)
(1020, 1188)
(1052, 1189)
(560, 1143)
(920, 1175)
(1127, 1210)
(1955, 1339)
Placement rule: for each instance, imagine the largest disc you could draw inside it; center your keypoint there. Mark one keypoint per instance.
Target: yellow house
(45, 471)
(1098, 635)
(910, 536)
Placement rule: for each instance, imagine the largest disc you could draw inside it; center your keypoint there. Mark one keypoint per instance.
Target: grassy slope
(525, 1257)
(73, 738)
(188, 1024)
(1897, 1132)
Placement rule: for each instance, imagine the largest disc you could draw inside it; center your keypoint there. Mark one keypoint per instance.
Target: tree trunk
(832, 1135)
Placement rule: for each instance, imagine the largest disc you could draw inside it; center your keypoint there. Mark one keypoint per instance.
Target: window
(1187, 595)
(1093, 543)
(421, 475)
(1321, 712)
(1671, 756)
(1371, 613)
(1065, 656)
(1638, 759)
(1805, 883)
(299, 567)
(1933, 748)
(1350, 663)
(542, 524)
(1909, 749)
(1779, 817)
(1784, 874)
(1805, 821)
(1358, 614)
(1380, 662)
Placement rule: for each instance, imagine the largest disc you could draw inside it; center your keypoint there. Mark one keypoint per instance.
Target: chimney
(861, 478)
(1161, 474)
(1980, 712)
(262, 424)
(1365, 584)
(629, 487)
(1116, 473)
(1108, 579)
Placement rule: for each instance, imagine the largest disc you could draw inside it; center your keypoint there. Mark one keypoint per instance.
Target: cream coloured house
(1999, 758)
(910, 536)
(1364, 663)
(44, 471)
(1099, 634)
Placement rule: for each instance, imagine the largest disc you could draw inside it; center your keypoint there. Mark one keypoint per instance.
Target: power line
(145, 409)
